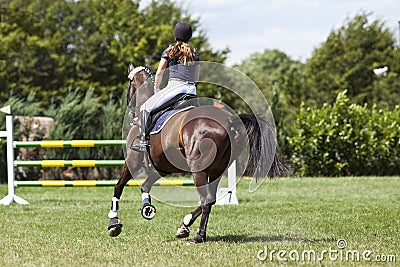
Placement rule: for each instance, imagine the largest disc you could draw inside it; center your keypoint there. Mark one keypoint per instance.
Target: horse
(203, 141)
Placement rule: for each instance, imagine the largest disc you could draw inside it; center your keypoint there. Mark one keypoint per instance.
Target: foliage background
(68, 60)
(284, 214)
(347, 139)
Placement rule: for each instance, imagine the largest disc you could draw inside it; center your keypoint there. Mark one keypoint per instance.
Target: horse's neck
(143, 94)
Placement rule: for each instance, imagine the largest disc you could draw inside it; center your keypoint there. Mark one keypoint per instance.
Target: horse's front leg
(133, 162)
(148, 211)
(115, 225)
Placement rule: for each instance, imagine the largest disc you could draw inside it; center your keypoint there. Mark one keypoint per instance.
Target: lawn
(339, 221)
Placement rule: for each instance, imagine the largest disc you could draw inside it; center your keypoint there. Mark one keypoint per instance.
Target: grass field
(303, 219)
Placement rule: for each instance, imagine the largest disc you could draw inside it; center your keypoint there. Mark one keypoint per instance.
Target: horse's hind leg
(148, 211)
(207, 192)
(188, 220)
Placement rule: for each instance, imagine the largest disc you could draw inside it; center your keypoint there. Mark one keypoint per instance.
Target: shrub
(346, 139)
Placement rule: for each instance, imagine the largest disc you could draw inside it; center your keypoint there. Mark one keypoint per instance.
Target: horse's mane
(149, 73)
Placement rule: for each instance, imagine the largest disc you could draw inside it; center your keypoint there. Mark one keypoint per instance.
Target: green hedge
(346, 139)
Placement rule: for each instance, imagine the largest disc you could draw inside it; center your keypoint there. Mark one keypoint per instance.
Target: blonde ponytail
(183, 52)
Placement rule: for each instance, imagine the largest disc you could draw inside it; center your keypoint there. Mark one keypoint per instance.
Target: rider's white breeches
(172, 89)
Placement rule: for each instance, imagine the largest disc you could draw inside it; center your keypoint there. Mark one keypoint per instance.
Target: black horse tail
(264, 159)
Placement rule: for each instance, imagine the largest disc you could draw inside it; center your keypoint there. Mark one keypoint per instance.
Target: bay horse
(203, 141)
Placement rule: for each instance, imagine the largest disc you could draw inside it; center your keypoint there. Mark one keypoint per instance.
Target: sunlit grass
(68, 226)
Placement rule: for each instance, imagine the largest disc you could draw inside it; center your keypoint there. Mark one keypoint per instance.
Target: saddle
(178, 103)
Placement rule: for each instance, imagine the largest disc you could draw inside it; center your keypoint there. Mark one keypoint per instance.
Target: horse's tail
(264, 158)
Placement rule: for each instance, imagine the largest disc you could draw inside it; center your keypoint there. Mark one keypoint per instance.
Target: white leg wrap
(114, 208)
(187, 219)
(144, 196)
(112, 214)
(114, 204)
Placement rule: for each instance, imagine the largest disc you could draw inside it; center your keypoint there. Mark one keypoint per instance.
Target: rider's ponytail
(182, 51)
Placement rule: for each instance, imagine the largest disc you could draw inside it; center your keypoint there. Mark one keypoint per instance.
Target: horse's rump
(184, 140)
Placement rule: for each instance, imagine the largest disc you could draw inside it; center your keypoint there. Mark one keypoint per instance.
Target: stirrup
(134, 121)
(140, 146)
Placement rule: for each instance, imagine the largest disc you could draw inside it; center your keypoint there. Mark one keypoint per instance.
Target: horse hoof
(197, 240)
(194, 241)
(115, 227)
(183, 231)
(114, 231)
(148, 211)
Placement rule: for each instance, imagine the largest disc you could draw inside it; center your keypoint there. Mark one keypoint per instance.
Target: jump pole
(72, 143)
(68, 163)
(228, 194)
(9, 134)
(99, 183)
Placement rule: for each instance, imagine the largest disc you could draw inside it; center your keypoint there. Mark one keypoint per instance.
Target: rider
(183, 63)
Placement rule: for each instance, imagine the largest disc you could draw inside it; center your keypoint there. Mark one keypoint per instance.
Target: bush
(346, 139)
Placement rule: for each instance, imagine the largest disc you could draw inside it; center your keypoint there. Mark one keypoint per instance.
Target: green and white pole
(9, 134)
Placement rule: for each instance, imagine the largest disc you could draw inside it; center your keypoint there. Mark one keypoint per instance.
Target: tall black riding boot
(140, 143)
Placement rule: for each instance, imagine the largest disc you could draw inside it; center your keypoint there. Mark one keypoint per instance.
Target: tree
(281, 81)
(272, 71)
(52, 47)
(347, 59)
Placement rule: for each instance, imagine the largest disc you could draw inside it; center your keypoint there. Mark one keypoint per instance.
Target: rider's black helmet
(183, 31)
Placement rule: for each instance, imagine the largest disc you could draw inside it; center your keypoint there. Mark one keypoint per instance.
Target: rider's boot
(140, 143)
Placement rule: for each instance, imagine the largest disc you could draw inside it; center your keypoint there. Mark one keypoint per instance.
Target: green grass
(67, 226)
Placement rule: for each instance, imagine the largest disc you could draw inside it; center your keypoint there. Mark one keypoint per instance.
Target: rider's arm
(160, 71)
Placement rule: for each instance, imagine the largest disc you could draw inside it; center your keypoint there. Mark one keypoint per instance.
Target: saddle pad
(165, 118)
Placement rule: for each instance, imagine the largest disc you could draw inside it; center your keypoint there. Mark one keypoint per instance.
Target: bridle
(134, 71)
(131, 78)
